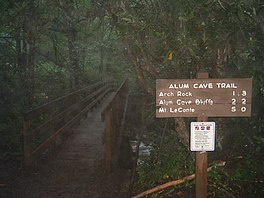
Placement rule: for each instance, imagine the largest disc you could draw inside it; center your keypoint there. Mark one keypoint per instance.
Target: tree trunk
(139, 73)
(31, 72)
(55, 49)
(20, 55)
(147, 61)
(180, 125)
(74, 57)
(182, 131)
(101, 65)
(26, 61)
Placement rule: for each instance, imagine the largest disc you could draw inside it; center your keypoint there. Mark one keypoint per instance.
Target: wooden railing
(113, 115)
(57, 117)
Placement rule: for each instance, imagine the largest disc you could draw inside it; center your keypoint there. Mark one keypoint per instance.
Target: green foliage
(47, 48)
(243, 174)
(243, 177)
(259, 143)
(224, 37)
(10, 137)
(51, 82)
(11, 108)
(169, 162)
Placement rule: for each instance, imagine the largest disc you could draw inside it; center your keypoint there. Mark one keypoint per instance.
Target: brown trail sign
(203, 98)
(194, 97)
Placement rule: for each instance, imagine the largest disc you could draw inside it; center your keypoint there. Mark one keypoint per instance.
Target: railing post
(108, 140)
(52, 129)
(117, 116)
(113, 117)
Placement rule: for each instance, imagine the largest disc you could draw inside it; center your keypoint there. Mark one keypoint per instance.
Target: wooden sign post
(201, 158)
(203, 98)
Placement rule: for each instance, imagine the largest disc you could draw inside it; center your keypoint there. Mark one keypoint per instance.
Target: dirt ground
(44, 180)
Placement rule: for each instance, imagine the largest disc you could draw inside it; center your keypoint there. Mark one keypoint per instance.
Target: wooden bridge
(73, 140)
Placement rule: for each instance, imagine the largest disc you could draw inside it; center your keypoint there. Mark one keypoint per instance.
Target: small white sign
(202, 136)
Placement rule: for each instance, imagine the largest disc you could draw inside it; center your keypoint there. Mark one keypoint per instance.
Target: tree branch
(175, 182)
(51, 60)
(147, 65)
(139, 72)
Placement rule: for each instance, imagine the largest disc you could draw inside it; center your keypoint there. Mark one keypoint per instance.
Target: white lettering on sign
(179, 86)
(204, 102)
(162, 110)
(180, 93)
(203, 86)
(226, 85)
(237, 100)
(210, 85)
(182, 110)
(166, 94)
(183, 102)
(213, 97)
(165, 102)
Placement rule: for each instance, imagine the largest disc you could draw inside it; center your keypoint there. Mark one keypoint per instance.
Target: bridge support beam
(113, 115)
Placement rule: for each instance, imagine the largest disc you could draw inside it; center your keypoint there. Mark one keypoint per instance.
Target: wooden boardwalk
(75, 170)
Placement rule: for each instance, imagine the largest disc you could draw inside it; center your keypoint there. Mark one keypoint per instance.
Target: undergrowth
(242, 175)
